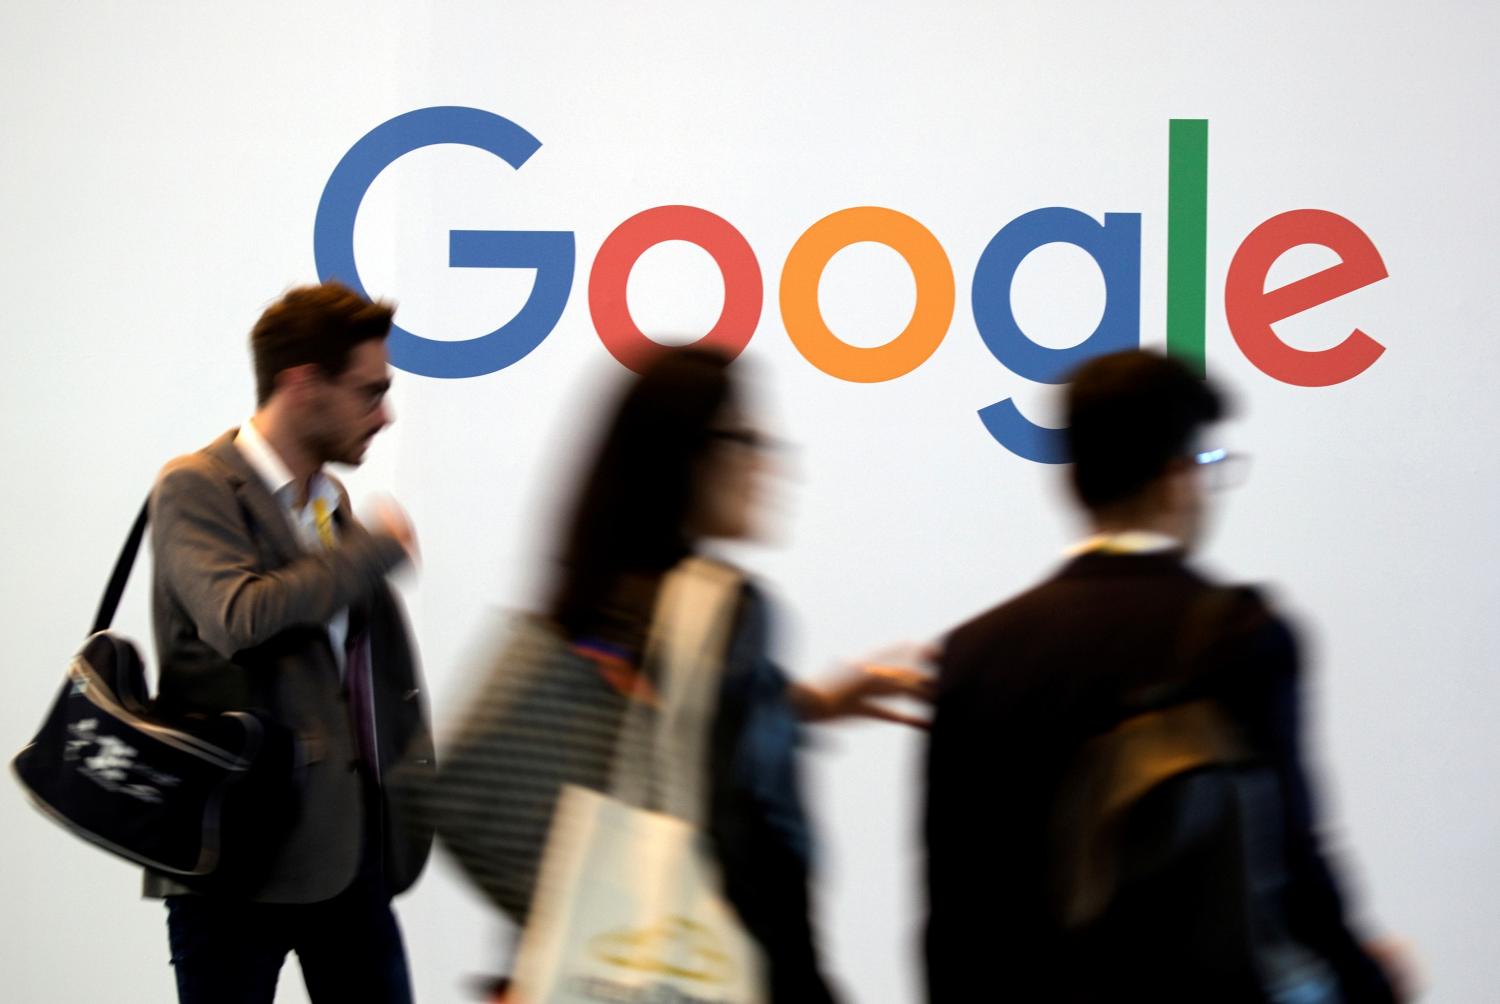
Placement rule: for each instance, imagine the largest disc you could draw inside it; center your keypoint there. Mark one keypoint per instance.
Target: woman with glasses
(679, 464)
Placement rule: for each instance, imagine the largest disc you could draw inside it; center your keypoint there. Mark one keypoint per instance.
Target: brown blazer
(239, 611)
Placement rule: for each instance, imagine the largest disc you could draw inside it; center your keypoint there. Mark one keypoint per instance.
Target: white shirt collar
(273, 471)
(1125, 542)
(263, 458)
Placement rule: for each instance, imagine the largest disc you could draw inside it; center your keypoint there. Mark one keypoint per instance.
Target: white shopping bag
(628, 908)
(628, 905)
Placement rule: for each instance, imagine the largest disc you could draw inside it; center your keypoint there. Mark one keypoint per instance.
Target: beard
(330, 448)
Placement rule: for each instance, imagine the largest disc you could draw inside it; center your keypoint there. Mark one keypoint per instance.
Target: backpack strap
(1196, 635)
(110, 602)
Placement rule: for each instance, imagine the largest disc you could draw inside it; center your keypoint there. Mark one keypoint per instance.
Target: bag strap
(695, 670)
(1198, 632)
(660, 758)
(121, 575)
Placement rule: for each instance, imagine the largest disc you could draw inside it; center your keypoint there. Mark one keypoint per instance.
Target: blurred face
(1189, 501)
(1194, 479)
(732, 481)
(344, 413)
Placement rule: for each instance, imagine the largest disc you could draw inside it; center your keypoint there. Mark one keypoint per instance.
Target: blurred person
(1215, 887)
(680, 463)
(268, 594)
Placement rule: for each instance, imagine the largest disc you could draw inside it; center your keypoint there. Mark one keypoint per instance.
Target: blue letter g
(549, 252)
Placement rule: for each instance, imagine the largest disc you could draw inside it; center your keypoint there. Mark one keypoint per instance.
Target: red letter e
(1252, 309)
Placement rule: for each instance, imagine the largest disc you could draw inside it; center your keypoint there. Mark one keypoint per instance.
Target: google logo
(1114, 245)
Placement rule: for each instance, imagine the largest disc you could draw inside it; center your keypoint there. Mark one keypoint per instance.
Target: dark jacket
(757, 820)
(239, 610)
(1021, 688)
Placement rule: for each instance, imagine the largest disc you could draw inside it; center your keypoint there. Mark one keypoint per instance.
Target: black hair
(1129, 415)
(631, 513)
(320, 325)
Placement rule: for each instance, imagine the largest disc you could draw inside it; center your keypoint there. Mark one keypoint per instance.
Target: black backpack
(1168, 869)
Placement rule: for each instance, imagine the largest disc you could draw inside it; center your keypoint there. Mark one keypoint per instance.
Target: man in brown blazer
(269, 595)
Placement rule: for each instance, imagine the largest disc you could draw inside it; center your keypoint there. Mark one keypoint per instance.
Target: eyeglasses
(1222, 470)
(369, 395)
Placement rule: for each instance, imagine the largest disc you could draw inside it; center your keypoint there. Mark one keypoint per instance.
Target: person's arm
(856, 693)
(1270, 702)
(991, 771)
(962, 939)
(757, 821)
(211, 565)
(1314, 899)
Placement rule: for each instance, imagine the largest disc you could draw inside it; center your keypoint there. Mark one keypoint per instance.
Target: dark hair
(635, 500)
(313, 324)
(1129, 415)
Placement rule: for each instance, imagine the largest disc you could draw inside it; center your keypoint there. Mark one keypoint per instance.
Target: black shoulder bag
(205, 802)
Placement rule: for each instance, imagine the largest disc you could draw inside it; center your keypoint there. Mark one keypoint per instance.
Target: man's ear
(1177, 481)
(1180, 465)
(294, 382)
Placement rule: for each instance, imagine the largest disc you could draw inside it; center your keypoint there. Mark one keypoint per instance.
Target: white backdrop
(163, 163)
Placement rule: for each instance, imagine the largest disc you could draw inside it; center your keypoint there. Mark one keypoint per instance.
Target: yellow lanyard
(1126, 542)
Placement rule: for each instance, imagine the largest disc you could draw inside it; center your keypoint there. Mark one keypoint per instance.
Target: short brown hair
(313, 324)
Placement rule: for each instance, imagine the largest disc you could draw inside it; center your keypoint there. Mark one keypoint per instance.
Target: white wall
(163, 163)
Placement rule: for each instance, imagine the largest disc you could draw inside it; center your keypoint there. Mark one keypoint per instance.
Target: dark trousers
(230, 952)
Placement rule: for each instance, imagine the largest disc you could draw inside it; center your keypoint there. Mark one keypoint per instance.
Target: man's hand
(390, 520)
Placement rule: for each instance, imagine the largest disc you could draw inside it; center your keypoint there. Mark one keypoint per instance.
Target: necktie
(356, 663)
(361, 703)
(323, 519)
